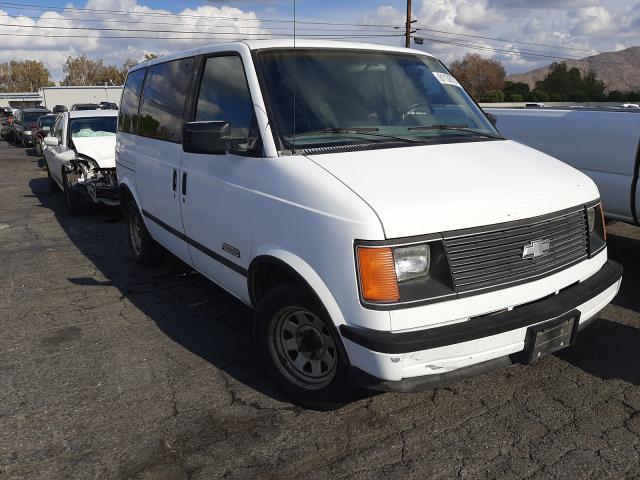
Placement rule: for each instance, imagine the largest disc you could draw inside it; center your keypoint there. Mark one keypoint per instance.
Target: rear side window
(163, 97)
(128, 117)
(224, 96)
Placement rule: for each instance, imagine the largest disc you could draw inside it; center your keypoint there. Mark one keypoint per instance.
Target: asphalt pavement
(111, 371)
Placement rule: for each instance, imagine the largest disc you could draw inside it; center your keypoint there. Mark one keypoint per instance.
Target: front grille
(488, 257)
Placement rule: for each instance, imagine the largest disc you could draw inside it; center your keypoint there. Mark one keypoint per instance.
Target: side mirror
(51, 141)
(492, 118)
(206, 137)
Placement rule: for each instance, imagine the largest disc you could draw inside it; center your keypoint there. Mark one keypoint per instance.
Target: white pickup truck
(603, 143)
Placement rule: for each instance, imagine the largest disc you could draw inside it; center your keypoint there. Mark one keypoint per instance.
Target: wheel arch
(270, 268)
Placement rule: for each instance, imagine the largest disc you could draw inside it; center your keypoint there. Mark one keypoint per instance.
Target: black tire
(23, 142)
(75, 202)
(38, 147)
(329, 389)
(53, 186)
(144, 249)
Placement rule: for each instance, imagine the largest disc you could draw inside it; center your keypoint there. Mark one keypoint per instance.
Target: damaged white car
(80, 157)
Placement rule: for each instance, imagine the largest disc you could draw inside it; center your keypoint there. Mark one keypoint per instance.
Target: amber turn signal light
(378, 274)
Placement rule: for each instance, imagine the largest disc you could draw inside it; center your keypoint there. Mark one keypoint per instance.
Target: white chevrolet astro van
(362, 203)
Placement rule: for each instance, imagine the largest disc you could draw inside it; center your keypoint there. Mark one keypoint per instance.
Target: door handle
(184, 183)
(175, 180)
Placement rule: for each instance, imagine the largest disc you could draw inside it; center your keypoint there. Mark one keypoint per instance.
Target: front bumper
(492, 340)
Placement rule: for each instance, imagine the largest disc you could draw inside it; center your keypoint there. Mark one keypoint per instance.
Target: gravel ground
(110, 371)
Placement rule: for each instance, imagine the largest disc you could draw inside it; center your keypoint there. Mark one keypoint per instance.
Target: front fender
(309, 275)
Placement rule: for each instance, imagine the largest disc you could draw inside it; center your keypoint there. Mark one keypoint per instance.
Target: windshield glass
(32, 117)
(349, 96)
(93, 127)
(47, 121)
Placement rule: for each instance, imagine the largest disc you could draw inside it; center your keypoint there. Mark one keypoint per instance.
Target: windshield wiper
(368, 131)
(458, 128)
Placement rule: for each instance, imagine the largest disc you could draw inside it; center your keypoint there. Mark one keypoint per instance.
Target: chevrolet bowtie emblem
(536, 248)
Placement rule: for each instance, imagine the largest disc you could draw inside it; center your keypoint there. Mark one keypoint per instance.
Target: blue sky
(523, 34)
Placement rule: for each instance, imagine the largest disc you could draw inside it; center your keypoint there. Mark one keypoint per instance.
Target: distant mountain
(619, 70)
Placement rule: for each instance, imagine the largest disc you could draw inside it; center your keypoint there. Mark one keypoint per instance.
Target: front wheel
(300, 348)
(38, 148)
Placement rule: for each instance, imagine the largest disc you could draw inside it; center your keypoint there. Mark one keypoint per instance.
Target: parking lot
(108, 371)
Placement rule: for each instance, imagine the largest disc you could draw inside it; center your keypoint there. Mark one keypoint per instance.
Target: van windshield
(352, 96)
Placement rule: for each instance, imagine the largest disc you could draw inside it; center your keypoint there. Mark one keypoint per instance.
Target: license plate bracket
(551, 336)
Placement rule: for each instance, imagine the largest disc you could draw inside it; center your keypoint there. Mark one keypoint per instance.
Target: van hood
(435, 188)
(101, 149)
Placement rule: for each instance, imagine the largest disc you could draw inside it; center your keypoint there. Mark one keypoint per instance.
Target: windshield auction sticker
(446, 79)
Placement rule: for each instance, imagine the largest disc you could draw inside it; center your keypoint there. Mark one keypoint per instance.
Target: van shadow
(609, 349)
(186, 306)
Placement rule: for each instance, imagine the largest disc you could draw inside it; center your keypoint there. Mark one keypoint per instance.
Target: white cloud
(548, 28)
(112, 45)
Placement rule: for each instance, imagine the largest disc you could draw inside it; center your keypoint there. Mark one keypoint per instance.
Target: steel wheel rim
(302, 348)
(135, 235)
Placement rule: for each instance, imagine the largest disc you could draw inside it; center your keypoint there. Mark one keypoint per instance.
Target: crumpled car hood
(100, 149)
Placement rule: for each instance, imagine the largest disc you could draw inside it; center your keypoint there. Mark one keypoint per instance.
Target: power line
(208, 37)
(85, 11)
(537, 56)
(137, 22)
(120, 29)
(505, 40)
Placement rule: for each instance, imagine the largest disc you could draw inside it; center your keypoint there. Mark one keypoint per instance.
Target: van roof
(280, 43)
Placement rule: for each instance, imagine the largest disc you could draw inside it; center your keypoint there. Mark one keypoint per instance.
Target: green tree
(84, 71)
(25, 76)
(515, 97)
(540, 95)
(563, 83)
(494, 96)
(617, 96)
(516, 88)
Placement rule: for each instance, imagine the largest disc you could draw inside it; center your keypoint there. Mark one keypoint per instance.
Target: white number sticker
(446, 79)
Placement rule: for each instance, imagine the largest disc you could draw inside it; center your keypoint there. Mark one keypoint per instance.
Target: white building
(67, 96)
(51, 96)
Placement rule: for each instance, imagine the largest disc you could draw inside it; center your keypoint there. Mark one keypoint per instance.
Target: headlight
(412, 262)
(591, 218)
(403, 274)
(597, 229)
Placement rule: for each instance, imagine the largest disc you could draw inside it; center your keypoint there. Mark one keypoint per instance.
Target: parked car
(24, 121)
(108, 106)
(80, 159)
(380, 226)
(6, 121)
(41, 130)
(84, 106)
(59, 109)
(604, 143)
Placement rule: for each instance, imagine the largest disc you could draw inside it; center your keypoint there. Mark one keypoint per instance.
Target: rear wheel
(76, 203)
(38, 148)
(146, 251)
(300, 348)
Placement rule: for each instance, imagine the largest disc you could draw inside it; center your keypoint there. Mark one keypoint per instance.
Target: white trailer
(603, 143)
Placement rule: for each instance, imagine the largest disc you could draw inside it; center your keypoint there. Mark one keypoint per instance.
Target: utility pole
(407, 33)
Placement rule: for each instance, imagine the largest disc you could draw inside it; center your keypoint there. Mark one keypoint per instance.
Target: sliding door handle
(184, 183)
(175, 180)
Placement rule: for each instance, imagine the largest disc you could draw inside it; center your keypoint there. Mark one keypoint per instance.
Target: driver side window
(224, 96)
